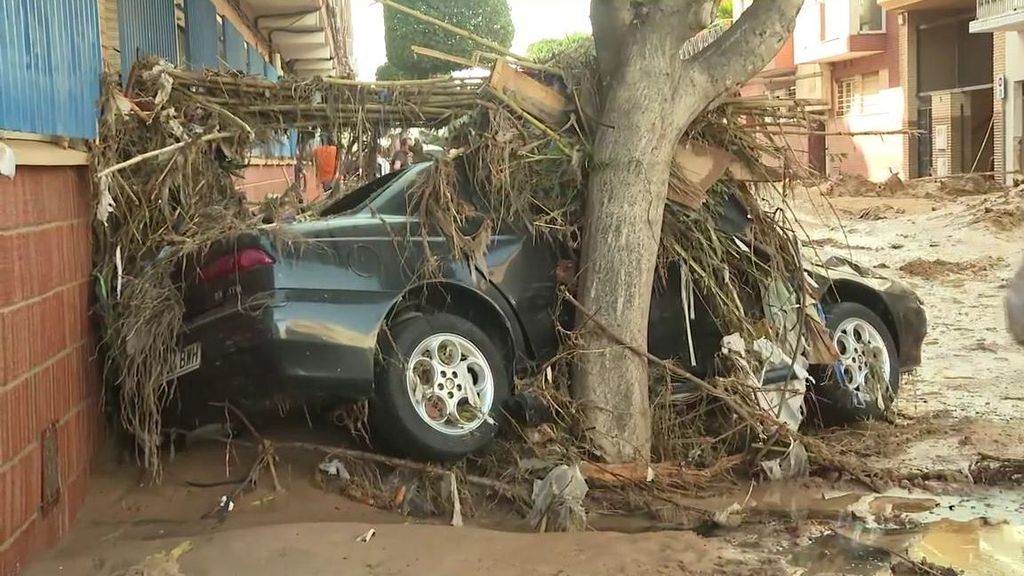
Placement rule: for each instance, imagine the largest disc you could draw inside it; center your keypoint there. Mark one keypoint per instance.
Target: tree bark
(651, 97)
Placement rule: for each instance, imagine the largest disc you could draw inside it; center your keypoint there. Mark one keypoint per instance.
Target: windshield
(365, 194)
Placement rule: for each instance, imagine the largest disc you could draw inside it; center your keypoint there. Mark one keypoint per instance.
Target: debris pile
(172, 141)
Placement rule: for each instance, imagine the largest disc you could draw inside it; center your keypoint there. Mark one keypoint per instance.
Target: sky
(534, 20)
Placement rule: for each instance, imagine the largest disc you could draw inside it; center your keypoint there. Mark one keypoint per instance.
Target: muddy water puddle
(980, 534)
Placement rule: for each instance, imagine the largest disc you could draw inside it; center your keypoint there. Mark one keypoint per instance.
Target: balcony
(998, 16)
(310, 35)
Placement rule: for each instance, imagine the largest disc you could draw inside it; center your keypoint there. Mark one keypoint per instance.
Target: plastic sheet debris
(7, 164)
(783, 400)
(730, 517)
(794, 464)
(367, 536)
(558, 501)
(335, 469)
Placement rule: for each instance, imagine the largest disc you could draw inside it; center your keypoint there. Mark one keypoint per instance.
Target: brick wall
(47, 376)
(998, 122)
(260, 181)
(945, 113)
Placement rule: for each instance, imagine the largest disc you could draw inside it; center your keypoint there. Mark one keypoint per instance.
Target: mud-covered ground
(958, 252)
(957, 249)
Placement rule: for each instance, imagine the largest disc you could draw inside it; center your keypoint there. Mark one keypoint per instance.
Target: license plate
(188, 360)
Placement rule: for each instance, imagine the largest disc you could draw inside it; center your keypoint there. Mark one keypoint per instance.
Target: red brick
(6, 351)
(17, 335)
(47, 403)
(9, 288)
(22, 485)
(15, 556)
(18, 409)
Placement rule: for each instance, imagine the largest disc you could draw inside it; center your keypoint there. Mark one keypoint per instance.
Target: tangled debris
(172, 141)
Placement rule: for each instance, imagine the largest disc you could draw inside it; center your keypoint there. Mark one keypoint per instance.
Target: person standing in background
(402, 157)
(325, 158)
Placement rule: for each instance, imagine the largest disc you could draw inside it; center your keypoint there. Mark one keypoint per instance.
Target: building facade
(906, 88)
(1004, 21)
(52, 55)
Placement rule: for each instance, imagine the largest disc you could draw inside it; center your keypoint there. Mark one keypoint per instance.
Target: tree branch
(610, 20)
(749, 45)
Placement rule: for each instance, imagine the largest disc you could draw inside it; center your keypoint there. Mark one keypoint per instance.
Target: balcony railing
(994, 8)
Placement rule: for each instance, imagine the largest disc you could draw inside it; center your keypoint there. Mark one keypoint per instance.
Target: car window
(360, 197)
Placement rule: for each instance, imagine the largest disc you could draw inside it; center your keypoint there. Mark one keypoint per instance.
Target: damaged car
(341, 310)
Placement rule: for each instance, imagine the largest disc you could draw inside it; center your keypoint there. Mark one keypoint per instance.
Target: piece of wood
(540, 101)
(695, 168)
(430, 53)
(820, 349)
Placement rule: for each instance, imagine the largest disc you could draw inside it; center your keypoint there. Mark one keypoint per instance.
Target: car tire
(853, 392)
(423, 406)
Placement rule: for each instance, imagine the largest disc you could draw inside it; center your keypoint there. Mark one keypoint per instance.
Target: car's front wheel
(441, 382)
(865, 381)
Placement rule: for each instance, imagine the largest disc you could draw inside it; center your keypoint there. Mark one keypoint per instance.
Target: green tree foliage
(491, 19)
(725, 10)
(548, 49)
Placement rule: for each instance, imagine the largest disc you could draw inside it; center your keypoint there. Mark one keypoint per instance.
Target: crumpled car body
(273, 324)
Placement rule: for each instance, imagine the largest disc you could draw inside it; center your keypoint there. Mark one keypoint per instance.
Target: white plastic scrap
(119, 265)
(226, 504)
(164, 81)
(105, 203)
(367, 536)
(783, 400)
(7, 164)
(558, 501)
(335, 469)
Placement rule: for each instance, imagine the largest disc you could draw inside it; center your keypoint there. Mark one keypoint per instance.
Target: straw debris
(172, 141)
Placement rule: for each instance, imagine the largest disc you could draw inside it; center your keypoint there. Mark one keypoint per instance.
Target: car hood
(836, 267)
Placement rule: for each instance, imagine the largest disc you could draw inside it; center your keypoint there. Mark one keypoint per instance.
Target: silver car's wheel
(441, 383)
(864, 382)
(865, 358)
(450, 384)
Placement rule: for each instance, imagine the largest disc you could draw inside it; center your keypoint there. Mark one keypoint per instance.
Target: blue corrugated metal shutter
(256, 62)
(147, 28)
(269, 71)
(203, 34)
(49, 67)
(234, 48)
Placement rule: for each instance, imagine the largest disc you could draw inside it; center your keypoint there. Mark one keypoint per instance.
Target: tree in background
(650, 95)
(545, 50)
(725, 10)
(490, 19)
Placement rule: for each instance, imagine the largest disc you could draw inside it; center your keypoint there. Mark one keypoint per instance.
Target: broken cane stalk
(164, 150)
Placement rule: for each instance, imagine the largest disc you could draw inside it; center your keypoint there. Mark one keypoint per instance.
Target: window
(833, 27)
(871, 17)
(846, 94)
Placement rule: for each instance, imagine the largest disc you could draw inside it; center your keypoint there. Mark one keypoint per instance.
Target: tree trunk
(651, 97)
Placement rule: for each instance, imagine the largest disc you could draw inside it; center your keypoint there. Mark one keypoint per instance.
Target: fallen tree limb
(164, 150)
(511, 491)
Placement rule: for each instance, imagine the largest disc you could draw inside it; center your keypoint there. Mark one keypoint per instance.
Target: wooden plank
(695, 168)
(540, 101)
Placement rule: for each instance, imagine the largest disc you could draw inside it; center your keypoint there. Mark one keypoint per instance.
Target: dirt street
(967, 398)
(958, 253)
